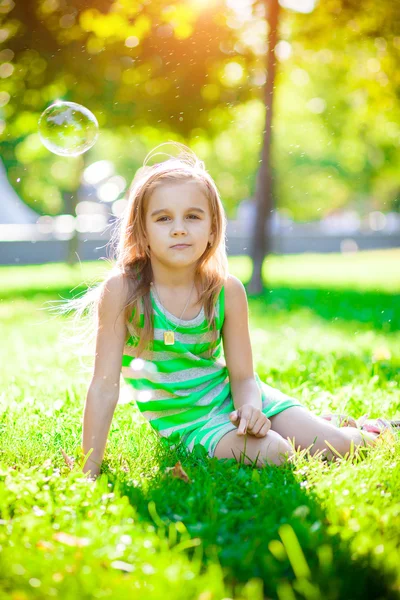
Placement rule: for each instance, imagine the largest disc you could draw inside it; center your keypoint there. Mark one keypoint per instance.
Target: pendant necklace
(169, 336)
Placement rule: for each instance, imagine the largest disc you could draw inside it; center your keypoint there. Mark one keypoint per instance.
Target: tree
(350, 32)
(264, 188)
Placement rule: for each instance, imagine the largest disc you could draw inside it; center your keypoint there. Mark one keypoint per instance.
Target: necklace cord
(162, 306)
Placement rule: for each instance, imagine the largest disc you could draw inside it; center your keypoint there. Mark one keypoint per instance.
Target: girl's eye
(162, 218)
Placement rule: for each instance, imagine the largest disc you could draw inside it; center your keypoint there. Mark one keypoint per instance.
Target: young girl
(163, 315)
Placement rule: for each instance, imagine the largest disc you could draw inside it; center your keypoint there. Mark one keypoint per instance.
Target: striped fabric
(180, 391)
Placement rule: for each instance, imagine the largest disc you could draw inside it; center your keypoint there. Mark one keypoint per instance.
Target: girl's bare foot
(375, 426)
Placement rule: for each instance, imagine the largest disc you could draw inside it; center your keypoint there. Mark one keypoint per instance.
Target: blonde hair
(132, 257)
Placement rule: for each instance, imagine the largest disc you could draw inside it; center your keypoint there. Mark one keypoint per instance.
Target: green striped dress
(182, 393)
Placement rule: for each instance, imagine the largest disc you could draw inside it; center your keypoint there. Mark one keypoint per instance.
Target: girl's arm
(237, 346)
(103, 392)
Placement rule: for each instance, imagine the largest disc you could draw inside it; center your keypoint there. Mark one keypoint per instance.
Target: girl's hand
(250, 420)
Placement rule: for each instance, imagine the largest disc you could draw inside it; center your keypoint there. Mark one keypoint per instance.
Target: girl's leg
(309, 430)
(270, 449)
(339, 420)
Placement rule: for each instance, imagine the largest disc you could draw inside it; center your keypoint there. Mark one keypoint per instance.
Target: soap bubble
(143, 367)
(137, 364)
(68, 129)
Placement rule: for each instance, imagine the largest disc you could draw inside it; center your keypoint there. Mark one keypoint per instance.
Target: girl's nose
(178, 228)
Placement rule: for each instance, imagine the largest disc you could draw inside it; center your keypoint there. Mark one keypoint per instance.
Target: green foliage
(194, 73)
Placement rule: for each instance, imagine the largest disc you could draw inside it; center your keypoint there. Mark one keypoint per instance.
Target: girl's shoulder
(233, 285)
(235, 295)
(117, 283)
(117, 288)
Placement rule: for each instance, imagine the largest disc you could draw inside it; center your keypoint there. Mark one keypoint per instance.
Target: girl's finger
(242, 426)
(259, 422)
(264, 429)
(253, 422)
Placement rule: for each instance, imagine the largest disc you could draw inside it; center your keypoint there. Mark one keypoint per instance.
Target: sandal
(371, 425)
(377, 425)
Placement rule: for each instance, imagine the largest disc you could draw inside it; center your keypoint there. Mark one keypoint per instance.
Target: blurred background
(308, 90)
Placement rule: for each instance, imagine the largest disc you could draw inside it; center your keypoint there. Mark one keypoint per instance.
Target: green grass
(325, 330)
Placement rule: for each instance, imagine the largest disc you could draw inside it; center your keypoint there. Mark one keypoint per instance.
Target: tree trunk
(264, 185)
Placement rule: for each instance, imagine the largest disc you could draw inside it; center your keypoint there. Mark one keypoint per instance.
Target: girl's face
(178, 214)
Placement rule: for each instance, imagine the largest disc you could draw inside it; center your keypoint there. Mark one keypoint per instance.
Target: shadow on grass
(238, 513)
(375, 309)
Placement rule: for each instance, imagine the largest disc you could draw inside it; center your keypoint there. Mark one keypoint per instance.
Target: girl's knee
(286, 451)
(271, 449)
(276, 450)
